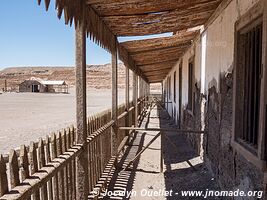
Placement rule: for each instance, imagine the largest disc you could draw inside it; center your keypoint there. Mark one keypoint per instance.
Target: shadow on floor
(185, 170)
(122, 181)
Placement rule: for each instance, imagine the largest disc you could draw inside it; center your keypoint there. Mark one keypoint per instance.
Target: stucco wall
(230, 168)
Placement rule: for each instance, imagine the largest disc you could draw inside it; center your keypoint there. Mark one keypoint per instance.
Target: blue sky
(30, 36)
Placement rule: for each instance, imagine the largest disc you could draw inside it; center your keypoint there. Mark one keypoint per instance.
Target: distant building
(36, 85)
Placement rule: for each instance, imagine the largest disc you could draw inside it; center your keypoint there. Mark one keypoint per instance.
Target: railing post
(114, 110)
(127, 96)
(142, 92)
(81, 162)
(135, 98)
(162, 93)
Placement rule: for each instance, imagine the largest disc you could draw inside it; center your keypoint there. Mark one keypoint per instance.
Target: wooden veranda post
(127, 95)
(162, 93)
(135, 97)
(114, 110)
(81, 115)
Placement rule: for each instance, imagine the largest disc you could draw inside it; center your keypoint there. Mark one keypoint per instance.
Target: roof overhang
(105, 20)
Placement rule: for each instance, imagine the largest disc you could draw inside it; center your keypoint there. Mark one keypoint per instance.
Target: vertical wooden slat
(73, 133)
(69, 166)
(48, 160)
(24, 163)
(92, 148)
(33, 166)
(53, 156)
(66, 176)
(61, 173)
(41, 161)
(99, 156)
(70, 175)
(13, 169)
(94, 161)
(90, 163)
(3, 177)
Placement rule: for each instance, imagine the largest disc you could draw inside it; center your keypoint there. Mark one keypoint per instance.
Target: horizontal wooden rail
(162, 129)
(100, 130)
(125, 113)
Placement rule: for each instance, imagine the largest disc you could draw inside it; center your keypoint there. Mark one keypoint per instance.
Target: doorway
(35, 88)
(180, 94)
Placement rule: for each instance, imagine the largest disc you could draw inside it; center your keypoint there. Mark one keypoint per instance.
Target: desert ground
(26, 117)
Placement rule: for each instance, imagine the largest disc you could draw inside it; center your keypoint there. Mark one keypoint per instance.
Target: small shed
(42, 86)
(55, 86)
(31, 85)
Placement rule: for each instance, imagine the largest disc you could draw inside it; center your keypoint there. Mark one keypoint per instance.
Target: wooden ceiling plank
(158, 62)
(157, 43)
(136, 7)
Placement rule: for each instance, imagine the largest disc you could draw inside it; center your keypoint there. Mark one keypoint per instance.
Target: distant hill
(98, 76)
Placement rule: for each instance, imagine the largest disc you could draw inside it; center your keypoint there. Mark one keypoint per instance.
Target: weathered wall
(213, 108)
(26, 86)
(228, 166)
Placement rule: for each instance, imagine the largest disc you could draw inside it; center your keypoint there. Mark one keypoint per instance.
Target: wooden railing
(47, 169)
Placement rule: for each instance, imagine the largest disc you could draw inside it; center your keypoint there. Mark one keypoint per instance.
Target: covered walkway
(183, 169)
(203, 69)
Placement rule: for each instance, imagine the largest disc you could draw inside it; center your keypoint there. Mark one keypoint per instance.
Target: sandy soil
(26, 117)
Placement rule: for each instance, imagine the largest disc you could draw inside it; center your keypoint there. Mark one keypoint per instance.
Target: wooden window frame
(259, 10)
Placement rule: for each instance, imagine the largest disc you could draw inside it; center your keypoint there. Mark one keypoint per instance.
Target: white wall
(219, 51)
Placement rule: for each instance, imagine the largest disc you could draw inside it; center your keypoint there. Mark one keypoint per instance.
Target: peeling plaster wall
(214, 109)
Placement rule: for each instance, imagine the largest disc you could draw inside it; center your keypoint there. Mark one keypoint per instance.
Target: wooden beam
(161, 64)
(178, 40)
(156, 69)
(159, 55)
(156, 81)
(160, 71)
(114, 110)
(162, 130)
(155, 62)
(151, 77)
(177, 47)
(81, 114)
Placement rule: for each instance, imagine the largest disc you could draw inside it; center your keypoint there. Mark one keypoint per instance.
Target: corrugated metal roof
(53, 82)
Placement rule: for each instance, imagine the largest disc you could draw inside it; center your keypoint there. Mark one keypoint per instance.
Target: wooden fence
(47, 169)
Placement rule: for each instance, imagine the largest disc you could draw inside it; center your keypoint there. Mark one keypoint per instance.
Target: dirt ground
(26, 117)
(183, 170)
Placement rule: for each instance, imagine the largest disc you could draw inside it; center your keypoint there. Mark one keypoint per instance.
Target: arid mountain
(98, 76)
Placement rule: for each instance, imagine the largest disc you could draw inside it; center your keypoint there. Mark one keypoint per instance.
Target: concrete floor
(143, 180)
